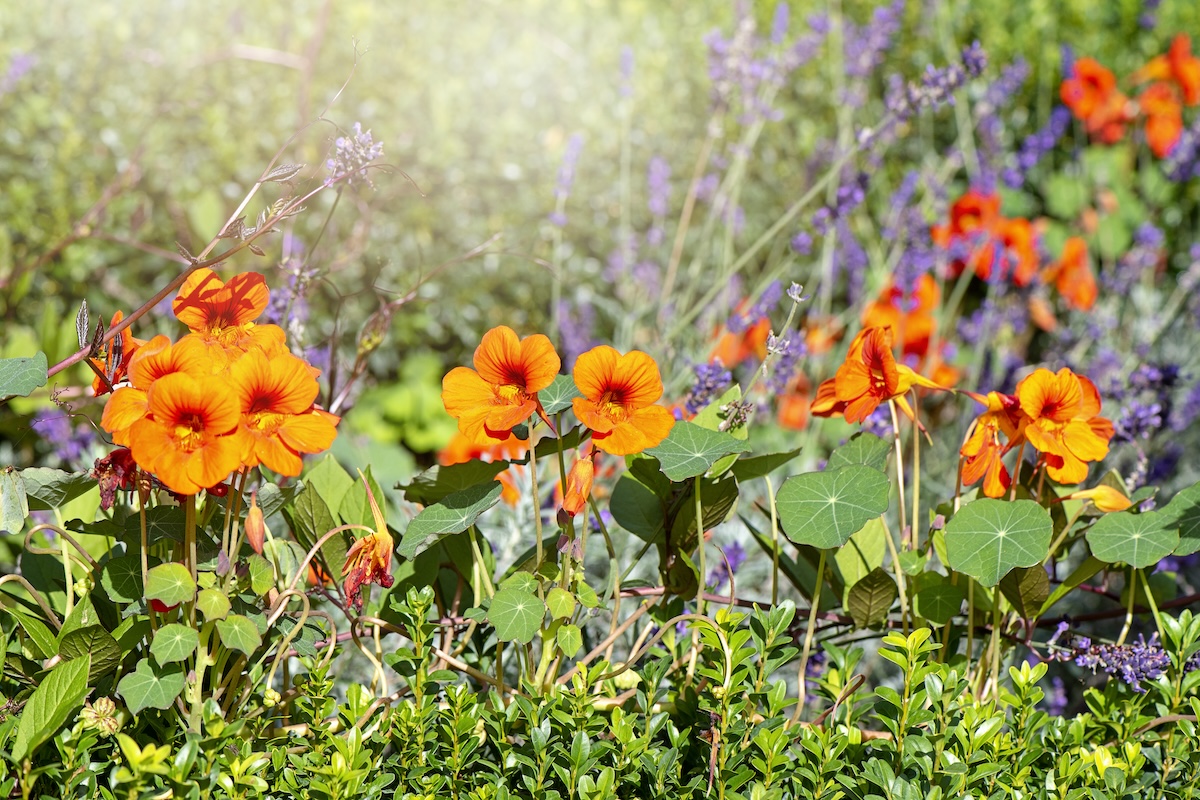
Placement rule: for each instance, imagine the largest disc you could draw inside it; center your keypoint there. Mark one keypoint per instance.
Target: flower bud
(579, 486)
(1104, 497)
(256, 526)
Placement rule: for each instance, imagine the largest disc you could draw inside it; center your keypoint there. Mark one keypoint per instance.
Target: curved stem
(802, 689)
(37, 596)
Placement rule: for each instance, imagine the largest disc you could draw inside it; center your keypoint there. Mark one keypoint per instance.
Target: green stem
(537, 509)
(916, 474)
(1153, 606)
(700, 546)
(1129, 609)
(480, 565)
(808, 637)
(899, 468)
(774, 542)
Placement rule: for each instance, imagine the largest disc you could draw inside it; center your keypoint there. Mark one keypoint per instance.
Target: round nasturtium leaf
(151, 686)
(1138, 540)
(213, 604)
(173, 643)
(689, 450)
(516, 614)
(170, 584)
(988, 538)
(824, 509)
(938, 603)
(239, 633)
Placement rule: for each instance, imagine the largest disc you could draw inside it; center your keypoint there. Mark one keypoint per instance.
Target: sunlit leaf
(516, 615)
(151, 686)
(1138, 540)
(824, 509)
(21, 376)
(988, 538)
(174, 642)
(558, 395)
(690, 450)
(454, 514)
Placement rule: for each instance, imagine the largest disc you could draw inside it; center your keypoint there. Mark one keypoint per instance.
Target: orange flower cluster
(1072, 276)
(982, 240)
(227, 396)
(620, 392)
(1058, 414)
(868, 377)
(1092, 95)
(913, 320)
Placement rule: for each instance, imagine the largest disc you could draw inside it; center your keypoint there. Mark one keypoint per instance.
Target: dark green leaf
(751, 467)
(95, 645)
(48, 489)
(870, 599)
(121, 578)
(1026, 588)
(435, 483)
(939, 602)
(454, 514)
(1184, 511)
(162, 522)
(637, 509)
(50, 705)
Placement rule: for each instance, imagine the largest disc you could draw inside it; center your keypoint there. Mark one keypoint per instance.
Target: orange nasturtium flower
(118, 371)
(982, 452)
(618, 403)
(1178, 66)
(1164, 118)
(992, 241)
(189, 438)
(502, 394)
(221, 315)
(369, 560)
(1072, 275)
(1064, 422)
(276, 396)
(154, 359)
(869, 376)
(1092, 95)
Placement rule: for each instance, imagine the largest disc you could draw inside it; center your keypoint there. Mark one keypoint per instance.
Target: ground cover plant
(808, 414)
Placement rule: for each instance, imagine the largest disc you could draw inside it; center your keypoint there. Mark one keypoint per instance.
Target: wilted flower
(369, 560)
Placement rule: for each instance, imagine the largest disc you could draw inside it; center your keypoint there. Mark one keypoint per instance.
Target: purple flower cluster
(711, 380)
(865, 46)
(1183, 161)
(1132, 663)
(1149, 16)
(69, 442)
(351, 155)
(576, 321)
(1142, 257)
(937, 86)
(1037, 145)
(788, 352)
(739, 323)
(991, 126)
(745, 69)
(735, 556)
(18, 67)
(851, 193)
(288, 305)
(566, 177)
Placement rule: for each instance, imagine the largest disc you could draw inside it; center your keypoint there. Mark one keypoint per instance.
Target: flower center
(189, 431)
(511, 393)
(612, 405)
(265, 421)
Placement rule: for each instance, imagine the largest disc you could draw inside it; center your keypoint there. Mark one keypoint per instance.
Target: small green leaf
(213, 604)
(824, 509)
(151, 686)
(170, 584)
(569, 639)
(865, 449)
(14, 503)
(262, 574)
(1026, 588)
(586, 594)
(454, 514)
(870, 599)
(329, 480)
(174, 642)
(516, 615)
(239, 633)
(558, 395)
(21, 376)
(50, 705)
(49, 489)
(1138, 540)
(939, 602)
(690, 450)
(988, 538)
(94, 644)
(560, 602)
(751, 467)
